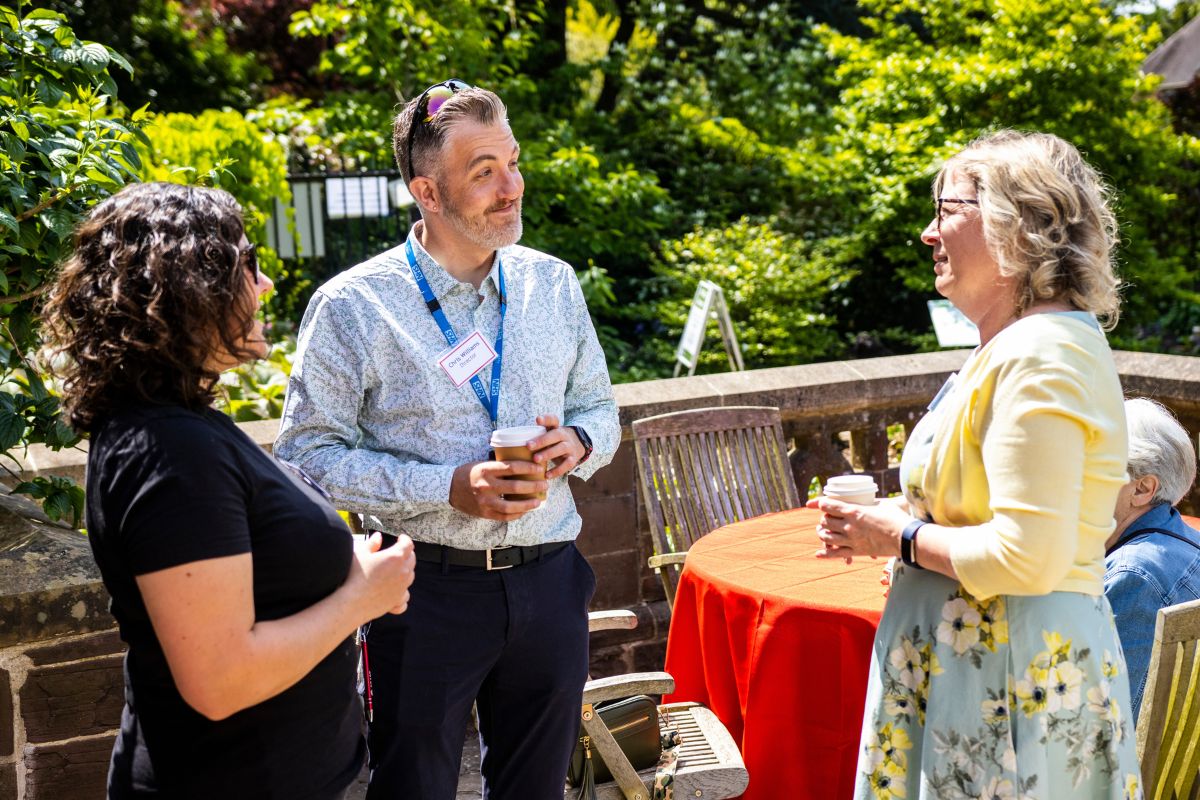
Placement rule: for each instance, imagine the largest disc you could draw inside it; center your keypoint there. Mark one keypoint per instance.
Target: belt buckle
(488, 557)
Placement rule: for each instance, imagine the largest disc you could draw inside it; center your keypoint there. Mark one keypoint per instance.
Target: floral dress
(1014, 698)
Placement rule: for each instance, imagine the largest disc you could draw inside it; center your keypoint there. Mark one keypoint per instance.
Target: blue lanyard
(491, 403)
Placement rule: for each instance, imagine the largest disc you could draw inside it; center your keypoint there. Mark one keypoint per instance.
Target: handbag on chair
(633, 722)
(634, 725)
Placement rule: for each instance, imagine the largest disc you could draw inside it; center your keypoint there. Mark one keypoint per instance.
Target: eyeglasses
(943, 200)
(428, 105)
(249, 257)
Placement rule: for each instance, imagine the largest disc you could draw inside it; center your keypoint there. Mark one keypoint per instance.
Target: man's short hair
(1159, 446)
(473, 105)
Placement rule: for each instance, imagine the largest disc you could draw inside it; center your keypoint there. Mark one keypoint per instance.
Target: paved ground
(469, 785)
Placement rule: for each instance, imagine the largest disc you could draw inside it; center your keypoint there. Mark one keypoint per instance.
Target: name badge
(466, 358)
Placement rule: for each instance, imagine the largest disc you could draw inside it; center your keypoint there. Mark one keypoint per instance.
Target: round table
(778, 644)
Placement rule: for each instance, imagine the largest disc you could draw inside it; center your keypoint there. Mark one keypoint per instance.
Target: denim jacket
(1148, 572)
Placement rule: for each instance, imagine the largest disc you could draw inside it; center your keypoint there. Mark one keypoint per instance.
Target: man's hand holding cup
(509, 486)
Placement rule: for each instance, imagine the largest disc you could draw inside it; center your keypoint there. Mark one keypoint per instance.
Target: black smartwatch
(908, 538)
(584, 440)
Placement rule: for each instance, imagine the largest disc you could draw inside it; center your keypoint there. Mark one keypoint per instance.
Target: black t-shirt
(167, 486)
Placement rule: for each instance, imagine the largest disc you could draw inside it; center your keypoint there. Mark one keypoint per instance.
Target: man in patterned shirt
(383, 411)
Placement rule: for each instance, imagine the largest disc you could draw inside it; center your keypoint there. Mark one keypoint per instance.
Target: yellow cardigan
(1028, 460)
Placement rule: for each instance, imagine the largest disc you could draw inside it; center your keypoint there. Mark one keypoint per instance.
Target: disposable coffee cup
(512, 444)
(857, 489)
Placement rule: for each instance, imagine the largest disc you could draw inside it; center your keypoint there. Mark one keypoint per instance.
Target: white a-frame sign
(709, 301)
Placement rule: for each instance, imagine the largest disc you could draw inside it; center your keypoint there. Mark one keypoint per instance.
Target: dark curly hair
(154, 288)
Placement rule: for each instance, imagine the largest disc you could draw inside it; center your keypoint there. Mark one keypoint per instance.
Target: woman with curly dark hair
(234, 583)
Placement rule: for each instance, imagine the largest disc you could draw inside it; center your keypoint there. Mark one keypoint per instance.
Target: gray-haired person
(1153, 557)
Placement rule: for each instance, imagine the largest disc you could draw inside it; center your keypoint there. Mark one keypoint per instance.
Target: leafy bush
(224, 149)
(586, 211)
(256, 390)
(180, 51)
(66, 144)
(774, 283)
(934, 74)
(401, 46)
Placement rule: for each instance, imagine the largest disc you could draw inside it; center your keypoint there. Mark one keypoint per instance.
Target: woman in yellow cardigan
(997, 671)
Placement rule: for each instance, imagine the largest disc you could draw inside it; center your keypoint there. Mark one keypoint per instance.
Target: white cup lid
(516, 437)
(850, 484)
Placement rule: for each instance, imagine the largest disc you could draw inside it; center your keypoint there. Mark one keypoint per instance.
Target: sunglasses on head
(428, 105)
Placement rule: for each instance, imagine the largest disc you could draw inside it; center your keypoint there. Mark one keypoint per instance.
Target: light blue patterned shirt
(373, 419)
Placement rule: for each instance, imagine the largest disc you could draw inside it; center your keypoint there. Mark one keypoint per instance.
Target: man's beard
(481, 231)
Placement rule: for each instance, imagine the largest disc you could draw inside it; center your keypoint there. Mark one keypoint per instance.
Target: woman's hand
(379, 579)
(850, 530)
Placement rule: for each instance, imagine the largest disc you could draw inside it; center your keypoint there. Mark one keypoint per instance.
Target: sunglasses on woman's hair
(249, 257)
(428, 105)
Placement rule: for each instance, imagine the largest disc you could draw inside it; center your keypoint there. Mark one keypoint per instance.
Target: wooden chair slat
(739, 465)
(698, 486)
(1190, 762)
(785, 477)
(718, 477)
(1183, 715)
(698, 513)
(1168, 724)
(765, 467)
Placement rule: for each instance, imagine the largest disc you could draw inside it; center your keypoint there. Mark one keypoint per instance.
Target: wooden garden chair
(1168, 725)
(706, 468)
(709, 765)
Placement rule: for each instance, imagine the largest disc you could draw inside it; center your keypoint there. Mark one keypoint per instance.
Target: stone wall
(60, 675)
(61, 689)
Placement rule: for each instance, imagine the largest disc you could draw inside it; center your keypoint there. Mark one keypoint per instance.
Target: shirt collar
(441, 281)
(1161, 515)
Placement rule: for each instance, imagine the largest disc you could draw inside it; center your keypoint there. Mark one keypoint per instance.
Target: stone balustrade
(60, 679)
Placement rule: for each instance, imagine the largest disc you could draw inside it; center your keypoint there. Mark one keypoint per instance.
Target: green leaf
(37, 389)
(49, 94)
(62, 435)
(44, 14)
(57, 505)
(35, 488)
(66, 55)
(124, 64)
(12, 428)
(64, 36)
(94, 57)
(10, 222)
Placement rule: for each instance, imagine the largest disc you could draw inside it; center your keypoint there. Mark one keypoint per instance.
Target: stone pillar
(61, 686)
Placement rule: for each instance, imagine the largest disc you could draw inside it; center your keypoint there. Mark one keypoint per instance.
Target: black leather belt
(491, 559)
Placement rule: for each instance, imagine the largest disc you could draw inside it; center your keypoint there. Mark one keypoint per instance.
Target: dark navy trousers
(516, 641)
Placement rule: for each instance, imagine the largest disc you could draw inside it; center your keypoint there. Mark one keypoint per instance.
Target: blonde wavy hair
(1046, 219)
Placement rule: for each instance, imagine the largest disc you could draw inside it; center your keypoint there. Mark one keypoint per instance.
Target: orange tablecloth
(778, 644)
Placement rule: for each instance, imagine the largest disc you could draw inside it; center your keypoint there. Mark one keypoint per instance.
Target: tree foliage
(180, 50)
(397, 47)
(224, 149)
(658, 128)
(776, 290)
(934, 74)
(65, 145)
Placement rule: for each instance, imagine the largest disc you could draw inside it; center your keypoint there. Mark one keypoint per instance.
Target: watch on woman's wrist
(908, 543)
(584, 440)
